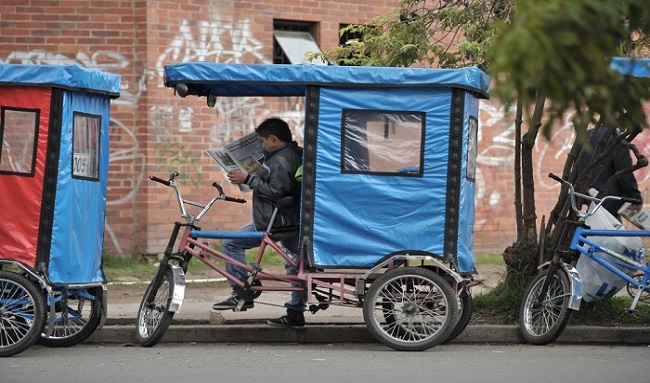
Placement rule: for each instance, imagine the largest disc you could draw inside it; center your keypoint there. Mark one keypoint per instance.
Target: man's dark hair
(275, 126)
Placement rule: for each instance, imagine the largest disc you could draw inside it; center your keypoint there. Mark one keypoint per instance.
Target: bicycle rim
(77, 316)
(542, 321)
(22, 313)
(154, 316)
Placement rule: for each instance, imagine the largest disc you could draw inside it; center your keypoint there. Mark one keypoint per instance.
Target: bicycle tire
(76, 318)
(22, 313)
(423, 309)
(541, 323)
(154, 316)
(465, 307)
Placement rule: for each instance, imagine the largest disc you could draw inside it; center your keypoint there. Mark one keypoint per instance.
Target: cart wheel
(154, 316)
(78, 314)
(410, 309)
(542, 322)
(465, 308)
(22, 313)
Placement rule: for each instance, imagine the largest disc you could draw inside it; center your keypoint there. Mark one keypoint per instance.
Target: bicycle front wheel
(410, 309)
(542, 320)
(22, 313)
(78, 314)
(154, 316)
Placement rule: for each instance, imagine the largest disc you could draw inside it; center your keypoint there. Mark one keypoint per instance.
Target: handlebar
(181, 201)
(160, 180)
(598, 202)
(173, 175)
(225, 197)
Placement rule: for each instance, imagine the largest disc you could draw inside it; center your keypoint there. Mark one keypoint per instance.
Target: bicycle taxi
(387, 208)
(54, 125)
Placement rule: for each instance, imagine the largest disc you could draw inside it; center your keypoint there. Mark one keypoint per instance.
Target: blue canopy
(631, 66)
(217, 79)
(71, 77)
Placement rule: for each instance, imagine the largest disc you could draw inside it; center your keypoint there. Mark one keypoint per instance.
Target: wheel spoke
(541, 321)
(412, 309)
(22, 313)
(154, 316)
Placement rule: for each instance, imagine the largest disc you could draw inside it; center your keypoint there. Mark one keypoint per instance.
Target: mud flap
(178, 290)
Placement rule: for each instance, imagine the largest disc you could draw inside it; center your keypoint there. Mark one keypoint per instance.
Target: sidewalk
(197, 322)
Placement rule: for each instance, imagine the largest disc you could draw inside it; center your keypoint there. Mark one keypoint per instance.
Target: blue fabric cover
(61, 76)
(360, 218)
(80, 205)
(291, 80)
(631, 66)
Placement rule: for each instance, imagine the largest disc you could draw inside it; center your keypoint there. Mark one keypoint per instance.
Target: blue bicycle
(557, 292)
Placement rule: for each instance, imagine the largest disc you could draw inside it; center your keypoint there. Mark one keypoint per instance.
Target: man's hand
(236, 177)
(635, 208)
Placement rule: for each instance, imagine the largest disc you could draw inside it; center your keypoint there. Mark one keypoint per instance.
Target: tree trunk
(522, 256)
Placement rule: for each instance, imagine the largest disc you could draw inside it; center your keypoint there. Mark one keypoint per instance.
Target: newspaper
(244, 154)
(639, 218)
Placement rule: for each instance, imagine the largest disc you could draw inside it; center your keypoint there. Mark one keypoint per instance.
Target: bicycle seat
(285, 201)
(283, 232)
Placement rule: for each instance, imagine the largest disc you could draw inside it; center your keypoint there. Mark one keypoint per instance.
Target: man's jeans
(298, 301)
(236, 249)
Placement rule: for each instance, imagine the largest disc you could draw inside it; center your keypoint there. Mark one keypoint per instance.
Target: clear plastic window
(18, 132)
(472, 149)
(85, 149)
(382, 142)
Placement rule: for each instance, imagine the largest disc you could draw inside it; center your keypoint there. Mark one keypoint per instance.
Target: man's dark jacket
(626, 185)
(273, 182)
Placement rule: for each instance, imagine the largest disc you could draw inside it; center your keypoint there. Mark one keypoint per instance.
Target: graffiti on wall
(215, 41)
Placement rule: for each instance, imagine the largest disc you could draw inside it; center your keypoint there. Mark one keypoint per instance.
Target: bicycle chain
(267, 303)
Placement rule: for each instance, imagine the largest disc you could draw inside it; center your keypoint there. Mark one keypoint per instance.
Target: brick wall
(154, 132)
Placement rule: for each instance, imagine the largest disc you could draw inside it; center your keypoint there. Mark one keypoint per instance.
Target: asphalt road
(327, 363)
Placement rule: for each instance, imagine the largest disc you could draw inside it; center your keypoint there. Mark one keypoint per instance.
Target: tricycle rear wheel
(410, 309)
(22, 313)
(465, 308)
(78, 314)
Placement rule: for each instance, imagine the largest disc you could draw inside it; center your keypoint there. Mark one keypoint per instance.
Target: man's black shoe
(293, 321)
(231, 303)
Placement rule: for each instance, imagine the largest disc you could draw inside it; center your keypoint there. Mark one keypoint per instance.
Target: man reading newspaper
(272, 182)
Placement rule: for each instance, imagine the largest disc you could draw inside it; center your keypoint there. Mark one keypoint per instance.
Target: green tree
(561, 51)
(547, 57)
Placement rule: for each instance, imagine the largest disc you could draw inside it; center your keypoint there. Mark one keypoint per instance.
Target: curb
(358, 333)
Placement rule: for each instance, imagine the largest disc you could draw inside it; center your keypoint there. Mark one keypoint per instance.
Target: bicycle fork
(575, 286)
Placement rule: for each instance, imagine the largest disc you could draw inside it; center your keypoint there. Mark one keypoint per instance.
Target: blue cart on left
(54, 126)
